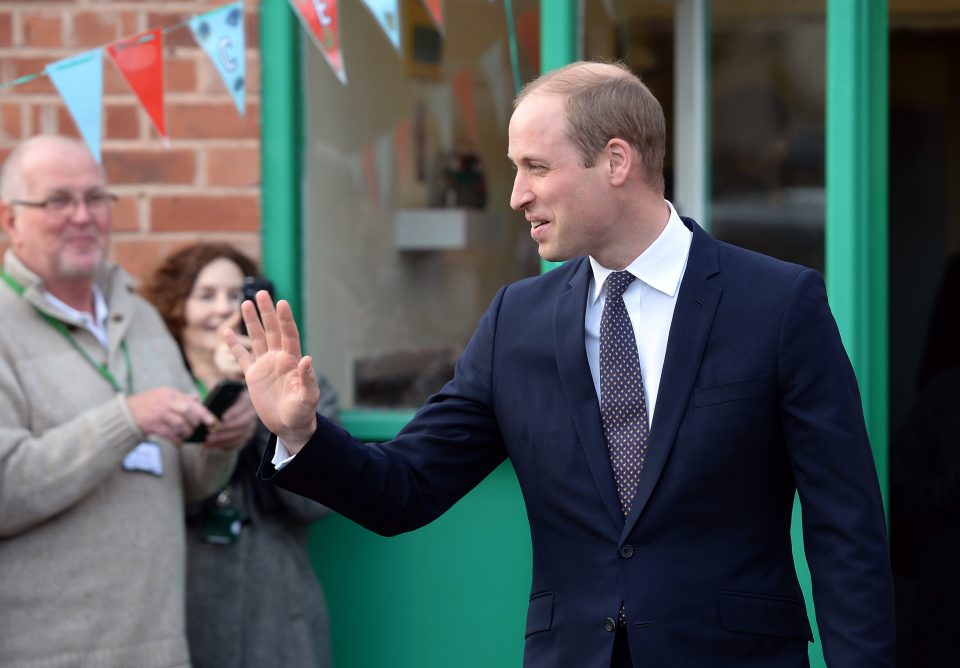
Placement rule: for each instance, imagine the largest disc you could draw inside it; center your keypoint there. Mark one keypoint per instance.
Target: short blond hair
(603, 101)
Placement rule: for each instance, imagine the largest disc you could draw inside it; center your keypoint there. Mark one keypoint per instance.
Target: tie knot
(617, 283)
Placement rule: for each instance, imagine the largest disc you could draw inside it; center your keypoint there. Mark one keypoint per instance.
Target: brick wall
(204, 183)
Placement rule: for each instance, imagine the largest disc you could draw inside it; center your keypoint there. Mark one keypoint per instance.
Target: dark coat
(257, 602)
(757, 401)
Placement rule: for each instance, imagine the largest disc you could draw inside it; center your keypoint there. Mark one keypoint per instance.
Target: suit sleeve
(843, 521)
(451, 445)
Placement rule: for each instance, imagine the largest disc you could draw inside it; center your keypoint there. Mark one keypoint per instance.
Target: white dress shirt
(650, 301)
(96, 324)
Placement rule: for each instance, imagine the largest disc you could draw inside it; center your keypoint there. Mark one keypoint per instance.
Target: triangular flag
(220, 33)
(463, 92)
(387, 15)
(140, 59)
(435, 7)
(79, 80)
(319, 17)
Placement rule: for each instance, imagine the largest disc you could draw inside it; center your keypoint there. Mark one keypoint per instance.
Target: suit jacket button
(609, 625)
(626, 551)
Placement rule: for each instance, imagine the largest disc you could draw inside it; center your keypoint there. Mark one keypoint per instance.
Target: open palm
(281, 382)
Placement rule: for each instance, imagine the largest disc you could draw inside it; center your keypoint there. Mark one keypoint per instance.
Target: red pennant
(435, 7)
(321, 19)
(140, 59)
(463, 93)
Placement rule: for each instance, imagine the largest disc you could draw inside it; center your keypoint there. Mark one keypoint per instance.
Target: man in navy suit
(747, 398)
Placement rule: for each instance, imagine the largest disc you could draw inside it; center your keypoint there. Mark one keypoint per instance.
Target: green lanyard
(60, 327)
(201, 388)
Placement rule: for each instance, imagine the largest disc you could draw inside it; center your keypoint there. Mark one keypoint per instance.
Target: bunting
(220, 34)
(140, 60)
(435, 9)
(79, 80)
(320, 19)
(387, 15)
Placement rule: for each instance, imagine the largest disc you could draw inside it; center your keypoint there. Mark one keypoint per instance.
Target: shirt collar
(99, 308)
(660, 266)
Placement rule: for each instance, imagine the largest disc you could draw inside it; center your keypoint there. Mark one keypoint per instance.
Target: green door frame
(857, 206)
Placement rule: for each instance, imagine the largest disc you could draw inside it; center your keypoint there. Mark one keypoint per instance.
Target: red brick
(233, 167)
(10, 121)
(150, 167)
(42, 29)
(6, 29)
(52, 117)
(113, 80)
(205, 121)
(253, 73)
(180, 74)
(122, 121)
(251, 28)
(237, 213)
(95, 29)
(126, 214)
(140, 255)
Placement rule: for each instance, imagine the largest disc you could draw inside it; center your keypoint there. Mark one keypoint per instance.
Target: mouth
(537, 223)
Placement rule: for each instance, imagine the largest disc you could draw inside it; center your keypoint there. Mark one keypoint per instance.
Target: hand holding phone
(219, 400)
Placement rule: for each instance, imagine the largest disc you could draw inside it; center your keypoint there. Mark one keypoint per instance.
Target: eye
(96, 199)
(60, 201)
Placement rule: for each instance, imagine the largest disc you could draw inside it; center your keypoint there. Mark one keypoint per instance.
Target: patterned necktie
(623, 407)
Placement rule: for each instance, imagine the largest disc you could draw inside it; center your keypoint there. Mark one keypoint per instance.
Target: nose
(225, 305)
(521, 196)
(81, 212)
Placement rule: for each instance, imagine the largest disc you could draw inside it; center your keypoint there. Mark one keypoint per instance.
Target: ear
(619, 159)
(6, 219)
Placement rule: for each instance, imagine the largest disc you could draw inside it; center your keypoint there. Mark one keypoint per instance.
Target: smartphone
(219, 400)
(251, 286)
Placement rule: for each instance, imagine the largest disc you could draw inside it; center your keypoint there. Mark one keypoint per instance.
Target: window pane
(408, 229)
(767, 130)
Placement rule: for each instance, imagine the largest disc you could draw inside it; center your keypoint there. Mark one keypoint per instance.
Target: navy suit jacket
(757, 401)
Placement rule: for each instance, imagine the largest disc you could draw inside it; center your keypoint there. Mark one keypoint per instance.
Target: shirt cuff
(281, 457)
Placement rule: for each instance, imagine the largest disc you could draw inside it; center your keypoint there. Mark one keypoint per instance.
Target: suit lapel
(692, 318)
(578, 389)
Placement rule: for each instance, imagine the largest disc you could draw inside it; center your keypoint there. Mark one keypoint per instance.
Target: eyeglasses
(64, 204)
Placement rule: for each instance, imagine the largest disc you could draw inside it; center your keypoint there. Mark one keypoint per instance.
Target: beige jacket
(91, 555)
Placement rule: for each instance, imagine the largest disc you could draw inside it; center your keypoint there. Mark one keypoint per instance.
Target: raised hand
(280, 380)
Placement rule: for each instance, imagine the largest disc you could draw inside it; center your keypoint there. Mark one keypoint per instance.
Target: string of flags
(78, 79)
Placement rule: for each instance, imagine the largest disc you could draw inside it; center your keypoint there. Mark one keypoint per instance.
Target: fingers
(289, 334)
(305, 369)
(258, 339)
(237, 348)
(271, 325)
